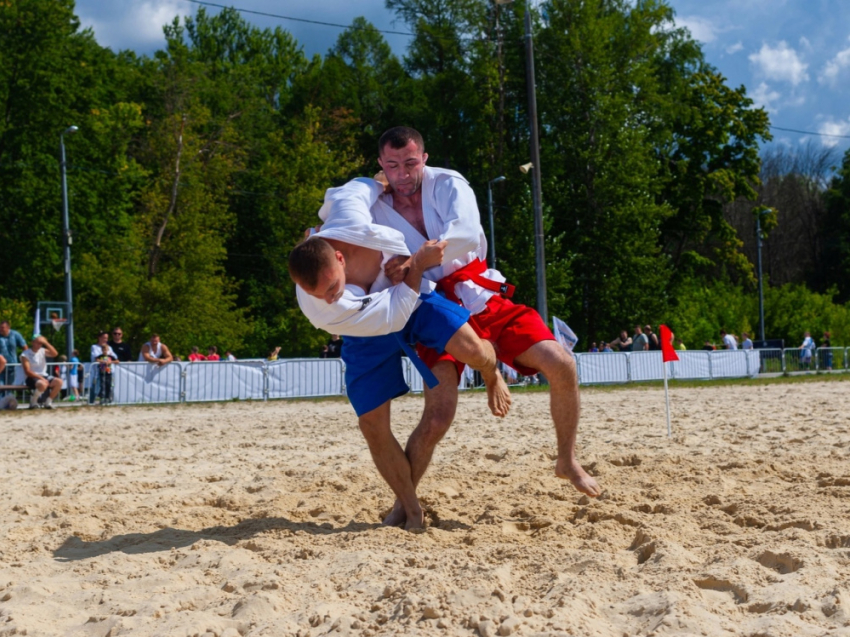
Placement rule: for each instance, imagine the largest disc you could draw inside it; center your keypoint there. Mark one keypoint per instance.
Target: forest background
(196, 170)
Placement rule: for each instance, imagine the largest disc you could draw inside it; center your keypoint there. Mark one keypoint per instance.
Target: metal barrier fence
(135, 383)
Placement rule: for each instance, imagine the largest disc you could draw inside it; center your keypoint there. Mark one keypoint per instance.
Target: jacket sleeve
(351, 203)
(361, 315)
(461, 221)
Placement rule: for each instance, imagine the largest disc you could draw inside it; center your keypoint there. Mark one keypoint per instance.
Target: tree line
(195, 170)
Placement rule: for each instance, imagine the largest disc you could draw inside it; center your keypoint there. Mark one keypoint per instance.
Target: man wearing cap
(44, 387)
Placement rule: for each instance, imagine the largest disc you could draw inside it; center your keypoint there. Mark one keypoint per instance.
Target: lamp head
(526, 167)
(498, 179)
(70, 129)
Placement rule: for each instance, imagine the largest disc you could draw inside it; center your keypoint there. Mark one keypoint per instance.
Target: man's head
(5, 328)
(36, 343)
(647, 329)
(117, 334)
(154, 340)
(402, 156)
(745, 335)
(212, 349)
(722, 332)
(318, 269)
(638, 330)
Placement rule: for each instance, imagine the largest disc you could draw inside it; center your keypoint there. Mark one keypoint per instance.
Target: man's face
(154, 341)
(331, 281)
(638, 331)
(117, 335)
(35, 345)
(404, 167)
(5, 329)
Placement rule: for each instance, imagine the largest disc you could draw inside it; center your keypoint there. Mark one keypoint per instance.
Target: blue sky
(792, 55)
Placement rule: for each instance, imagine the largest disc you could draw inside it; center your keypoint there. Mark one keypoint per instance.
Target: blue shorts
(373, 370)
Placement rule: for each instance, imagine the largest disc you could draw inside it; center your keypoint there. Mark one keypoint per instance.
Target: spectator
(121, 349)
(806, 350)
(74, 376)
(826, 354)
(324, 352)
(640, 342)
(10, 342)
(593, 348)
(709, 346)
(747, 342)
(196, 356)
(604, 347)
(44, 388)
(334, 346)
(729, 340)
(680, 345)
(103, 356)
(273, 354)
(156, 352)
(621, 344)
(654, 343)
(229, 357)
(212, 353)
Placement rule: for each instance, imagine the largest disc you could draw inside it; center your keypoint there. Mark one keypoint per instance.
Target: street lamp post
(759, 237)
(492, 225)
(537, 187)
(66, 239)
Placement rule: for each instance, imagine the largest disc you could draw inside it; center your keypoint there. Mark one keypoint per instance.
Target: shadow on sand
(166, 539)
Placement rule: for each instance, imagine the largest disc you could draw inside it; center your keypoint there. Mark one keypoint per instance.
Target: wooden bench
(13, 388)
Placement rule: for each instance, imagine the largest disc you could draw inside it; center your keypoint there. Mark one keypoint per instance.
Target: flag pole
(667, 401)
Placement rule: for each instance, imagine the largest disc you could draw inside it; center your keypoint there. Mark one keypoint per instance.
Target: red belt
(472, 272)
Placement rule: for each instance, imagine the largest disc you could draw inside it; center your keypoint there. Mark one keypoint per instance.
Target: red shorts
(510, 327)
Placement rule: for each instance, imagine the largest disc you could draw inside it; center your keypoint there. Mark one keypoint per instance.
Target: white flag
(564, 335)
(36, 328)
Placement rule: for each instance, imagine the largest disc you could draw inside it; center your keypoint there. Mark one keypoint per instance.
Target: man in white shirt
(430, 203)
(747, 343)
(729, 341)
(43, 387)
(156, 352)
(336, 288)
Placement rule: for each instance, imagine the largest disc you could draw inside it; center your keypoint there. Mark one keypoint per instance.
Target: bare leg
(559, 368)
(391, 462)
(440, 407)
(55, 387)
(479, 354)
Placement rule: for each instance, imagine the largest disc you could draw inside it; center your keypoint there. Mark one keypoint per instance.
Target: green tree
(836, 232)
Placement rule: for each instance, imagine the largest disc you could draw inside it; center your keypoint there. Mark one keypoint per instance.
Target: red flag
(667, 352)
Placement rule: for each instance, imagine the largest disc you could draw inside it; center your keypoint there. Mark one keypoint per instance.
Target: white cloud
(765, 97)
(781, 63)
(701, 29)
(136, 25)
(732, 50)
(831, 127)
(834, 68)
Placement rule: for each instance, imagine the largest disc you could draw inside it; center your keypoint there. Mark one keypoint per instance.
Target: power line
(286, 17)
(806, 132)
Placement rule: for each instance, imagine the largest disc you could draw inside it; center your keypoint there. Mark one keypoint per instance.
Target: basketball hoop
(57, 323)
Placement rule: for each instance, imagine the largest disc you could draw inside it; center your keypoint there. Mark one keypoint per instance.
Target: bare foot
(581, 480)
(415, 523)
(397, 516)
(498, 394)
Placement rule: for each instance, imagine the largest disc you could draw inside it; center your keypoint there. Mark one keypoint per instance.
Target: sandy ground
(262, 519)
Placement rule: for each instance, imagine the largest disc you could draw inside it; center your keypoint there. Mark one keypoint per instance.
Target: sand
(262, 519)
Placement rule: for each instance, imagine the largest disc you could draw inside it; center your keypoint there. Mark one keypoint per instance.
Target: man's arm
(166, 356)
(25, 365)
(51, 351)
(146, 354)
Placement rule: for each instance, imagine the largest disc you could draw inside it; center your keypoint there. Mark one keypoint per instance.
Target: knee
(561, 368)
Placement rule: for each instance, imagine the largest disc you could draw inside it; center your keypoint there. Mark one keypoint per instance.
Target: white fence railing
(134, 383)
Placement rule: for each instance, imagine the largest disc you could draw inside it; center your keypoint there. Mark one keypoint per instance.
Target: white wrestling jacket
(385, 309)
(451, 214)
